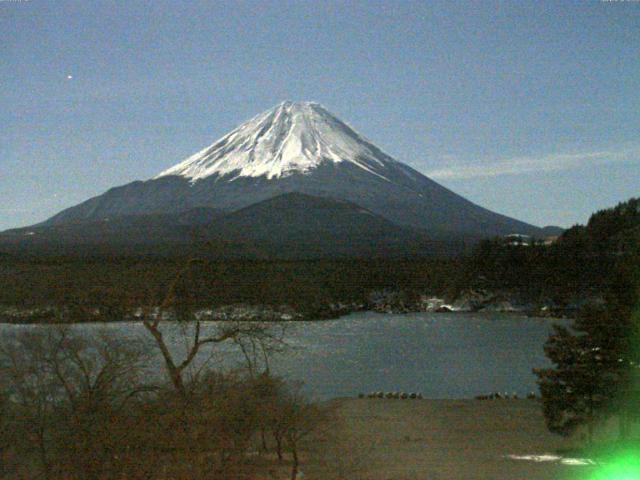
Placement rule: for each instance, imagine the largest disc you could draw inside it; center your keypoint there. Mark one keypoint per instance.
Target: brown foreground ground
(439, 440)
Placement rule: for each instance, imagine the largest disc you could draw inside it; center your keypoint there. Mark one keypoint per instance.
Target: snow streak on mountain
(289, 138)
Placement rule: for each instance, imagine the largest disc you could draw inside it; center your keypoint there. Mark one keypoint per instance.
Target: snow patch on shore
(553, 458)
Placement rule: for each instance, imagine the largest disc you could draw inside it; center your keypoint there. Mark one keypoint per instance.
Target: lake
(441, 355)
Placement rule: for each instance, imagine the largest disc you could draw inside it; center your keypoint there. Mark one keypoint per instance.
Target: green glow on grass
(622, 462)
(624, 466)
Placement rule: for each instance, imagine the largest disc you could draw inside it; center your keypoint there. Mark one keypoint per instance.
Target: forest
(584, 262)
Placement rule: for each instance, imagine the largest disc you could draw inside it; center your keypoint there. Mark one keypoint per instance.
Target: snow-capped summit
(289, 138)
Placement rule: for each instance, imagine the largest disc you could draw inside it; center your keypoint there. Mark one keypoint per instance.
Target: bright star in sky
(69, 77)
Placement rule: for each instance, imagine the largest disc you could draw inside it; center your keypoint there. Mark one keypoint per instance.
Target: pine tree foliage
(592, 361)
(597, 360)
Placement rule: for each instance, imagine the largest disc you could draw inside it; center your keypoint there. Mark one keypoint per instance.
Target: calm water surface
(442, 355)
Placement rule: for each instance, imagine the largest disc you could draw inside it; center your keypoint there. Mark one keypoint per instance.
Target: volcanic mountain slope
(298, 147)
(298, 225)
(292, 225)
(118, 230)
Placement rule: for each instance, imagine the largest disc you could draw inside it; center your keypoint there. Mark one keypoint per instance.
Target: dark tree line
(106, 285)
(109, 288)
(583, 262)
(596, 372)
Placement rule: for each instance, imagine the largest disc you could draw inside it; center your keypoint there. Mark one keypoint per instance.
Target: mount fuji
(294, 148)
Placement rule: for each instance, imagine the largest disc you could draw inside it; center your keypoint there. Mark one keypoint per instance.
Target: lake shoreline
(12, 315)
(522, 315)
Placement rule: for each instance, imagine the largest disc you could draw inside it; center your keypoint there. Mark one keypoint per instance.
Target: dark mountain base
(289, 226)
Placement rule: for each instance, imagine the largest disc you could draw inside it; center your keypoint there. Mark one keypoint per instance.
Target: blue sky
(531, 109)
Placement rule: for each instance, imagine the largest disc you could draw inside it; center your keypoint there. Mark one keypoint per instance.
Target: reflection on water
(441, 355)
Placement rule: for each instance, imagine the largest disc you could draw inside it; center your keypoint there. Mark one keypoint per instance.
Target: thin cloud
(14, 210)
(547, 163)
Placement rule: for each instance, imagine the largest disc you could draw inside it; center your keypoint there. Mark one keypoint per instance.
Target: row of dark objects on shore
(505, 396)
(416, 396)
(392, 395)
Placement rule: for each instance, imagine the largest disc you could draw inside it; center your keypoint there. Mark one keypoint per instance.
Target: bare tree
(71, 392)
(5, 437)
(257, 349)
(32, 390)
(292, 419)
(255, 339)
(176, 367)
(212, 413)
(99, 377)
(259, 344)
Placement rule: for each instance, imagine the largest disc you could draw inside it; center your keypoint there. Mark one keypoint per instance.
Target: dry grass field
(440, 440)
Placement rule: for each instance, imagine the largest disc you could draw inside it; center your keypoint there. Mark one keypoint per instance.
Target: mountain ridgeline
(294, 179)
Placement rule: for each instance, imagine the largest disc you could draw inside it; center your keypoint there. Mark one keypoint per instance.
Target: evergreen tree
(595, 362)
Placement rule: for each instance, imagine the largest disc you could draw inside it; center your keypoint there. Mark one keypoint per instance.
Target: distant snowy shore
(383, 301)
